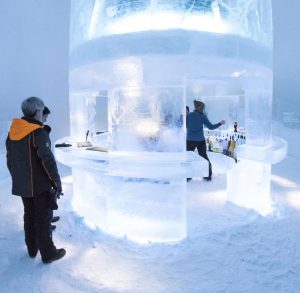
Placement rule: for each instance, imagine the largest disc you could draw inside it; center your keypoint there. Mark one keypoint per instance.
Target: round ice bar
(143, 61)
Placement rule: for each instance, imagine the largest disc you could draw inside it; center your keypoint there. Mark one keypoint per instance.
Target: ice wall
(286, 110)
(34, 59)
(4, 127)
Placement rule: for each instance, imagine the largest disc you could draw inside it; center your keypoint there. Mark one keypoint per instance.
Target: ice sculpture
(134, 65)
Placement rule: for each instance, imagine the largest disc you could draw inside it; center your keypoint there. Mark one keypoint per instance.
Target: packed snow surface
(228, 248)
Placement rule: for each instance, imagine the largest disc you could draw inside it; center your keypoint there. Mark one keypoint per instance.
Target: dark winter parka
(29, 158)
(194, 124)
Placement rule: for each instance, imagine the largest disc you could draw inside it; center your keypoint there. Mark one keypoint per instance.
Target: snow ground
(228, 249)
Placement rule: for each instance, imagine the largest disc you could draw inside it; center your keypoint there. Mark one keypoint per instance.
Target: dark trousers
(37, 225)
(201, 148)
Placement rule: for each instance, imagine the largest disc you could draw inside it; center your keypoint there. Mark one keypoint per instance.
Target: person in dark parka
(34, 177)
(195, 135)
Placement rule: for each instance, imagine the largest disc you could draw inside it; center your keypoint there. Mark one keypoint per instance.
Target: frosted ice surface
(248, 18)
(148, 119)
(248, 185)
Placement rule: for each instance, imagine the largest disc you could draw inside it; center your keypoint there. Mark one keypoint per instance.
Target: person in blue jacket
(195, 135)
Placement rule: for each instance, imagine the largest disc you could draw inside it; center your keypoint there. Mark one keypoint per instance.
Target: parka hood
(20, 128)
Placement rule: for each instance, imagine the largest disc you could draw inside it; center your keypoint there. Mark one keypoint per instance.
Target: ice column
(146, 191)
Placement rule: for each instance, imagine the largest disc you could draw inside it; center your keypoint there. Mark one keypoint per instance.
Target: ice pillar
(146, 190)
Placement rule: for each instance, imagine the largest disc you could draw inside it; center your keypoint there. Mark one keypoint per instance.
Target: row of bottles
(224, 142)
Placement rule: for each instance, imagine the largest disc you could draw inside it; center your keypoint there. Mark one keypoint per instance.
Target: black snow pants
(191, 145)
(37, 225)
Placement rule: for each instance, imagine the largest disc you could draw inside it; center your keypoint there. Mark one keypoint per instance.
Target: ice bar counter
(134, 66)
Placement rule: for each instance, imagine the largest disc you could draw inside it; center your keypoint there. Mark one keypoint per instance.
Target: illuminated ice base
(143, 210)
(248, 186)
(123, 196)
(142, 198)
(248, 183)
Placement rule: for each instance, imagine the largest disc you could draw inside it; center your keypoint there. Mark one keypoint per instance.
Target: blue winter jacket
(194, 124)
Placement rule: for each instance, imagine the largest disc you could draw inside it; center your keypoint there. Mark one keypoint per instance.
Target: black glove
(53, 196)
(58, 189)
(59, 193)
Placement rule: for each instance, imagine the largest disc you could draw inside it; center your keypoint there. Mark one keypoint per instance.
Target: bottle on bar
(235, 127)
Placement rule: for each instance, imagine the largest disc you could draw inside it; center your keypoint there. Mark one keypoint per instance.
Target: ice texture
(97, 18)
(248, 185)
(147, 119)
(138, 63)
(147, 210)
